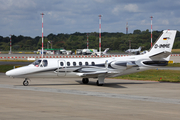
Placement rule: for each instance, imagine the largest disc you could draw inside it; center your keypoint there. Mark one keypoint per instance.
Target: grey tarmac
(69, 99)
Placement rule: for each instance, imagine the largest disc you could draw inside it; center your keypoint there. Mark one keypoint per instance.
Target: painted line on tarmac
(96, 94)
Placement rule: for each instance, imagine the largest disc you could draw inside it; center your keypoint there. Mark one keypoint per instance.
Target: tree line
(114, 41)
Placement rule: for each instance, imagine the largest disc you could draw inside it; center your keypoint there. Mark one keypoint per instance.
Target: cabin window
(80, 63)
(86, 63)
(61, 63)
(45, 63)
(74, 63)
(68, 63)
(93, 64)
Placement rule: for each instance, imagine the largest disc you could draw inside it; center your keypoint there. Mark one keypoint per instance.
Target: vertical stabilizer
(163, 46)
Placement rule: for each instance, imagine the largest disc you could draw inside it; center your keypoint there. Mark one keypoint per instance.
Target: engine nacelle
(123, 64)
(130, 65)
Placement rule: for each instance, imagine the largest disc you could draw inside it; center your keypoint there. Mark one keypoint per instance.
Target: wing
(92, 74)
(90, 71)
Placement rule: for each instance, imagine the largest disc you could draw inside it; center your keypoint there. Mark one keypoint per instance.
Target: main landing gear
(26, 82)
(85, 80)
(99, 82)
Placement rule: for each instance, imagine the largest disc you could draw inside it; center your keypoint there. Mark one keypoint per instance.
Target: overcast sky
(22, 17)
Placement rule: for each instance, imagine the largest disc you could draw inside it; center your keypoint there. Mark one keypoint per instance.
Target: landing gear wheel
(26, 82)
(85, 80)
(97, 83)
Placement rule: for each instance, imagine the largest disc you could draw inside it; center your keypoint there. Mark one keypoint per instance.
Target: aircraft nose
(11, 73)
(17, 72)
(8, 73)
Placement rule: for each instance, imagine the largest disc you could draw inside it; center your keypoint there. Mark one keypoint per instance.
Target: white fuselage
(69, 67)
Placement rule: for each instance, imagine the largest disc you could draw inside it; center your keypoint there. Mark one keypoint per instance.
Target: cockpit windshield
(40, 63)
(36, 63)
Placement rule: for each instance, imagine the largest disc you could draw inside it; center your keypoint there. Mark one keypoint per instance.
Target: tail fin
(163, 46)
(105, 50)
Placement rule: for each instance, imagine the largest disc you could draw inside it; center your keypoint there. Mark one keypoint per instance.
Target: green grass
(4, 68)
(175, 50)
(154, 75)
(174, 65)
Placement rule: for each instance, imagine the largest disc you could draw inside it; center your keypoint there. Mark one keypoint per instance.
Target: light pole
(51, 44)
(48, 44)
(87, 42)
(42, 33)
(126, 27)
(151, 30)
(129, 44)
(10, 44)
(100, 33)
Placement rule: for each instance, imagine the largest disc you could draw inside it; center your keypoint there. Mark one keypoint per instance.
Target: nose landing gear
(26, 82)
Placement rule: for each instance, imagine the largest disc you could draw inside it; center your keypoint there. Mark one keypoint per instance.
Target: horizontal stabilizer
(160, 55)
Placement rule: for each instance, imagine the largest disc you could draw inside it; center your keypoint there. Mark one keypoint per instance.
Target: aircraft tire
(25, 83)
(85, 80)
(97, 83)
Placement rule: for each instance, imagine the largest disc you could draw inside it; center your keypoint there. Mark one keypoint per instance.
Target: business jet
(136, 51)
(100, 53)
(98, 68)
